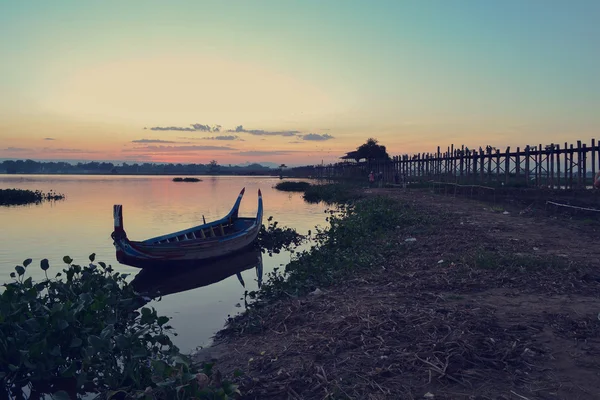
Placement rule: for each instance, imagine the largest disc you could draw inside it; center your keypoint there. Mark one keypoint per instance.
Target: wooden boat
(210, 240)
(164, 281)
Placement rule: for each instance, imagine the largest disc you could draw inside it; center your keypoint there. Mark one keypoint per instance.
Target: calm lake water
(152, 205)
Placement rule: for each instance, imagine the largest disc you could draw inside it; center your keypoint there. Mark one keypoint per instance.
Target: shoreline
(483, 302)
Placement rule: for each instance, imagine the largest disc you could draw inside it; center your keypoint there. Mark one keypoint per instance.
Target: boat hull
(130, 254)
(187, 246)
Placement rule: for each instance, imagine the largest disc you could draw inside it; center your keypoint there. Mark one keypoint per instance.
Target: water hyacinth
(84, 331)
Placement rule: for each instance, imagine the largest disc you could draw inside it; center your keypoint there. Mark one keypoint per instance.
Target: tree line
(95, 167)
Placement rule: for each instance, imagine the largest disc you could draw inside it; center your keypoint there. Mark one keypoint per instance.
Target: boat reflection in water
(175, 277)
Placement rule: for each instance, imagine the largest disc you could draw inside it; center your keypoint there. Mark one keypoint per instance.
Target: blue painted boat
(211, 240)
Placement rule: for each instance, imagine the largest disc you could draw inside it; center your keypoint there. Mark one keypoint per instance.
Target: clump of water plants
(9, 197)
(331, 193)
(178, 179)
(272, 238)
(292, 186)
(84, 331)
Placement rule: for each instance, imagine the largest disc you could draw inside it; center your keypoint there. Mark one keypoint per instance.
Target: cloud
(166, 149)
(297, 141)
(66, 150)
(49, 138)
(223, 137)
(15, 149)
(260, 132)
(171, 128)
(194, 128)
(206, 128)
(261, 153)
(152, 141)
(317, 137)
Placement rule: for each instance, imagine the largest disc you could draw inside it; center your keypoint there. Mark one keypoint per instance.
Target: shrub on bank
(357, 238)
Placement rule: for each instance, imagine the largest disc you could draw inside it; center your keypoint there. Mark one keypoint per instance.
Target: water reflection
(168, 278)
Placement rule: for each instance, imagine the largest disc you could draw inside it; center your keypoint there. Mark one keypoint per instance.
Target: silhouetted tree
(213, 166)
(371, 151)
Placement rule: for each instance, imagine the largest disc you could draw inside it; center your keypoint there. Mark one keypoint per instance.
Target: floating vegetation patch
(178, 179)
(292, 186)
(331, 193)
(13, 197)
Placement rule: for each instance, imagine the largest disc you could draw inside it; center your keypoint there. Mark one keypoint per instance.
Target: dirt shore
(487, 303)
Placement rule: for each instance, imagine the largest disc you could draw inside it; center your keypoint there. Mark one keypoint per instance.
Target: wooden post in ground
(593, 149)
(558, 166)
(507, 166)
(547, 180)
(571, 162)
(584, 165)
(527, 166)
(467, 167)
(551, 156)
(566, 166)
(482, 166)
(475, 165)
(453, 163)
(462, 162)
(488, 155)
(579, 164)
(497, 166)
(540, 155)
(518, 164)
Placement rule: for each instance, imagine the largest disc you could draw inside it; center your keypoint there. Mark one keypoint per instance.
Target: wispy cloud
(224, 137)
(15, 149)
(317, 137)
(260, 132)
(192, 128)
(67, 150)
(262, 153)
(167, 149)
(152, 141)
(171, 128)
(49, 138)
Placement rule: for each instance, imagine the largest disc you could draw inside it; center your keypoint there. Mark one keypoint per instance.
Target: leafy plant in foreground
(84, 332)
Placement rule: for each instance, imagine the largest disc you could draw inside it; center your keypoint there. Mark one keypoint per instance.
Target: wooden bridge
(549, 166)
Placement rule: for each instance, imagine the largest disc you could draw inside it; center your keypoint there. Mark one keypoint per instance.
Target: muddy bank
(477, 304)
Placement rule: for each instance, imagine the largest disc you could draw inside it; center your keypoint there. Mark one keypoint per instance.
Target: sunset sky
(292, 81)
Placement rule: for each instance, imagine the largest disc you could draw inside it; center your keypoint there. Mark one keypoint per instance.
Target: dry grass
(495, 319)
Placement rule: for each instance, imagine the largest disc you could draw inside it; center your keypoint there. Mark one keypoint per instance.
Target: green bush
(331, 193)
(272, 238)
(292, 186)
(85, 332)
(356, 239)
(20, 196)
